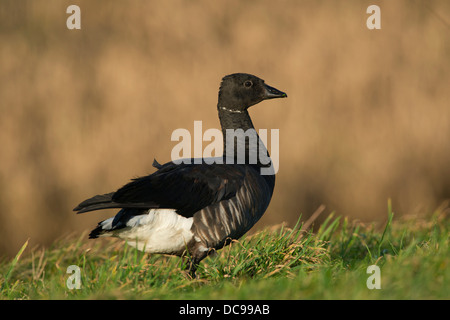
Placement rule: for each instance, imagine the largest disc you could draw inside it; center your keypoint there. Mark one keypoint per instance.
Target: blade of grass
(325, 230)
(313, 217)
(387, 227)
(13, 264)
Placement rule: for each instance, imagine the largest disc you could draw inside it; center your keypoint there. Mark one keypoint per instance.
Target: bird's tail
(102, 229)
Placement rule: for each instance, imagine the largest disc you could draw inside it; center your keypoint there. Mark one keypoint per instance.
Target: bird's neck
(240, 139)
(232, 119)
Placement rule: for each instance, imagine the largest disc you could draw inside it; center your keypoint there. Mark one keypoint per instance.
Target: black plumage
(219, 202)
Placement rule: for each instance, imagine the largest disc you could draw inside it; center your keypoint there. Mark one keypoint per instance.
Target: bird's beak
(272, 93)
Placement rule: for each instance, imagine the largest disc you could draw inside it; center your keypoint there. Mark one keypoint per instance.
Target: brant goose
(191, 209)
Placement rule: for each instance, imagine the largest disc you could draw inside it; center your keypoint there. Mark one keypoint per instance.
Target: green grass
(276, 263)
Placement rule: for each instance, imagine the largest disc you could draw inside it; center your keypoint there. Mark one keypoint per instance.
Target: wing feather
(187, 188)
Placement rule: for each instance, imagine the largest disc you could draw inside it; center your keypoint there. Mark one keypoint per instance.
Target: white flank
(159, 231)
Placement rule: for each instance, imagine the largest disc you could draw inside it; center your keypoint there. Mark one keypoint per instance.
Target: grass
(276, 263)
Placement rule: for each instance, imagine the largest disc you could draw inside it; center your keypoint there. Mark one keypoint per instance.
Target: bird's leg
(189, 263)
(193, 264)
(193, 261)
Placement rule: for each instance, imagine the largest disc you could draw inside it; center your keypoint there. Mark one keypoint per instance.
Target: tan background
(82, 112)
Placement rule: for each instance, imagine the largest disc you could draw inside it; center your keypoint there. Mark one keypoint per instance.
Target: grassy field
(276, 263)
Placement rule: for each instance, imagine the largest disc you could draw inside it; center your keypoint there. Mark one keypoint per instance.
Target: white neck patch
(231, 110)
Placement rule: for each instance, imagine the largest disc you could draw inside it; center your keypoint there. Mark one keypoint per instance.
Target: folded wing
(187, 188)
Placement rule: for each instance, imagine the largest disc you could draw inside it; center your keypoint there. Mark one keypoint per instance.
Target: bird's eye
(248, 84)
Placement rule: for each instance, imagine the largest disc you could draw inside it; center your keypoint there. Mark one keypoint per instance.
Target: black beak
(272, 93)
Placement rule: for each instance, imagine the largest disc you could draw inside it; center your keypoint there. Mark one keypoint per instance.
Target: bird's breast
(218, 224)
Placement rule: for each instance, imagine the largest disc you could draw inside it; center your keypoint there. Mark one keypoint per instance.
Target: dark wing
(187, 188)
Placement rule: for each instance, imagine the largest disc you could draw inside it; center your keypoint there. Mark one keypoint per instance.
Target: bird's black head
(239, 91)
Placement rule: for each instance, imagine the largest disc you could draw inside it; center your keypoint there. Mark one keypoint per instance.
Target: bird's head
(239, 91)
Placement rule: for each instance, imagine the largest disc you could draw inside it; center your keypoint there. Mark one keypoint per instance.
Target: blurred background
(83, 111)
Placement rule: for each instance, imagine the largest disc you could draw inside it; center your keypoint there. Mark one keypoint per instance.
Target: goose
(193, 208)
